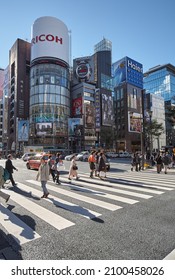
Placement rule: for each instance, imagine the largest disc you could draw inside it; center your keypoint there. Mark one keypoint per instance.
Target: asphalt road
(140, 229)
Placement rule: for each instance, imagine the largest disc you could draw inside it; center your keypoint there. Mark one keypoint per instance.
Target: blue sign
(23, 130)
(129, 71)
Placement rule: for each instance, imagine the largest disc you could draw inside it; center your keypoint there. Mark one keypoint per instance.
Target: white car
(83, 156)
(124, 155)
(69, 157)
(111, 155)
(26, 156)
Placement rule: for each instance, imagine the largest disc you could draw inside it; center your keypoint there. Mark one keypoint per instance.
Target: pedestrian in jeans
(43, 174)
(10, 167)
(51, 167)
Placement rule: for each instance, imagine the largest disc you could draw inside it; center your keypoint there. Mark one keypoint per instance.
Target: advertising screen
(77, 106)
(135, 122)
(107, 109)
(23, 130)
(43, 129)
(75, 126)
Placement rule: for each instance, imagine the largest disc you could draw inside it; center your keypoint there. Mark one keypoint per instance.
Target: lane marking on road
(49, 217)
(102, 204)
(74, 208)
(19, 230)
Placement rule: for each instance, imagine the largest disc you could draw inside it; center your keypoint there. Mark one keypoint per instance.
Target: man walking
(10, 167)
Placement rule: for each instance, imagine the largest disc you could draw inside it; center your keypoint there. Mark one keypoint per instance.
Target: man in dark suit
(9, 166)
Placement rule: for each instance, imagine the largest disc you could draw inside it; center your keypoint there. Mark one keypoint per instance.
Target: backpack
(6, 175)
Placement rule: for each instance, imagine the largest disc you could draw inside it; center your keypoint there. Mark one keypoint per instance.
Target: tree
(153, 130)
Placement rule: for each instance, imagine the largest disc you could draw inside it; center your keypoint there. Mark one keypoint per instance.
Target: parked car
(35, 161)
(26, 156)
(83, 156)
(124, 155)
(69, 157)
(111, 155)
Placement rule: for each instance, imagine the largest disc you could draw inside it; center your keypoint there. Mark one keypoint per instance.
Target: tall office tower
(128, 105)
(49, 84)
(19, 74)
(160, 81)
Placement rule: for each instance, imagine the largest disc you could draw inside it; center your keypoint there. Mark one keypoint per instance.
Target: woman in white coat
(43, 174)
(73, 169)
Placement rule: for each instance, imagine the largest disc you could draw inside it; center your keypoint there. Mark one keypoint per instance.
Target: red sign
(77, 107)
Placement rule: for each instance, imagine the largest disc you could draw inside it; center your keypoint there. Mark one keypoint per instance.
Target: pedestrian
(51, 167)
(166, 161)
(97, 154)
(43, 174)
(159, 163)
(92, 161)
(10, 167)
(58, 161)
(101, 166)
(73, 169)
(2, 182)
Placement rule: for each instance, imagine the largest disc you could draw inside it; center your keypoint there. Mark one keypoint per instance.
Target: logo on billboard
(48, 37)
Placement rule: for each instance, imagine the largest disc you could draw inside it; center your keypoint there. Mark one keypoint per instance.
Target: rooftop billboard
(50, 38)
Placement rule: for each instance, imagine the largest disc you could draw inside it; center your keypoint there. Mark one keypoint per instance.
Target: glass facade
(49, 103)
(161, 81)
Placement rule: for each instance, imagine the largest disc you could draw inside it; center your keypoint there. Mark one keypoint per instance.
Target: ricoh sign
(50, 39)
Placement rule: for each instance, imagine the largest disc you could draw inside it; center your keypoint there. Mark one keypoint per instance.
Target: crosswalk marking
(103, 204)
(51, 218)
(85, 212)
(115, 190)
(116, 183)
(21, 232)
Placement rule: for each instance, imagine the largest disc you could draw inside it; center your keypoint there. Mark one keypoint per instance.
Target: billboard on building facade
(127, 70)
(77, 107)
(50, 38)
(75, 126)
(89, 115)
(23, 130)
(83, 69)
(134, 122)
(107, 109)
(43, 129)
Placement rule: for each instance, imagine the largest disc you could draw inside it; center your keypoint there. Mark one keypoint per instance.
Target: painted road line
(74, 208)
(102, 204)
(20, 231)
(49, 217)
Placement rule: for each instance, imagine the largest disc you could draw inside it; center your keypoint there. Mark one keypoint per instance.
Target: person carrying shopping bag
(73, 169)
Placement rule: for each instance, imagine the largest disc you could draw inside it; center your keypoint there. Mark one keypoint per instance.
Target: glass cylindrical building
(49, 83)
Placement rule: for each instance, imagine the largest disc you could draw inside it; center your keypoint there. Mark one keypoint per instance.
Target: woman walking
(102, 165)
(92, 161)
(43, 174)
(73, 169)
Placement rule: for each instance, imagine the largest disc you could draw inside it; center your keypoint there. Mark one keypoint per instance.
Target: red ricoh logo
(48, 37)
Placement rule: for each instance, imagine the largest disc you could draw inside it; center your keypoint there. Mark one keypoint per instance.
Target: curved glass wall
(49, 104)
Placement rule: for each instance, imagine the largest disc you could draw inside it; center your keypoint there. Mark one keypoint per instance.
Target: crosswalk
(88, 198)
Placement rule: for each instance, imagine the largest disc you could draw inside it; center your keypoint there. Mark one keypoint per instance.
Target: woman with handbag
(73, 169)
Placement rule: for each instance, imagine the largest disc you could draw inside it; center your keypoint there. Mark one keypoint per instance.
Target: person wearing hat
(10, 167)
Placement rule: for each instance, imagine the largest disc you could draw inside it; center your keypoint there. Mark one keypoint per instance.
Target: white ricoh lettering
(48, 37)
(134, 66)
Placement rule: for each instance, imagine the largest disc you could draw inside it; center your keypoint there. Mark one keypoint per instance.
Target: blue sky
(142, 30)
